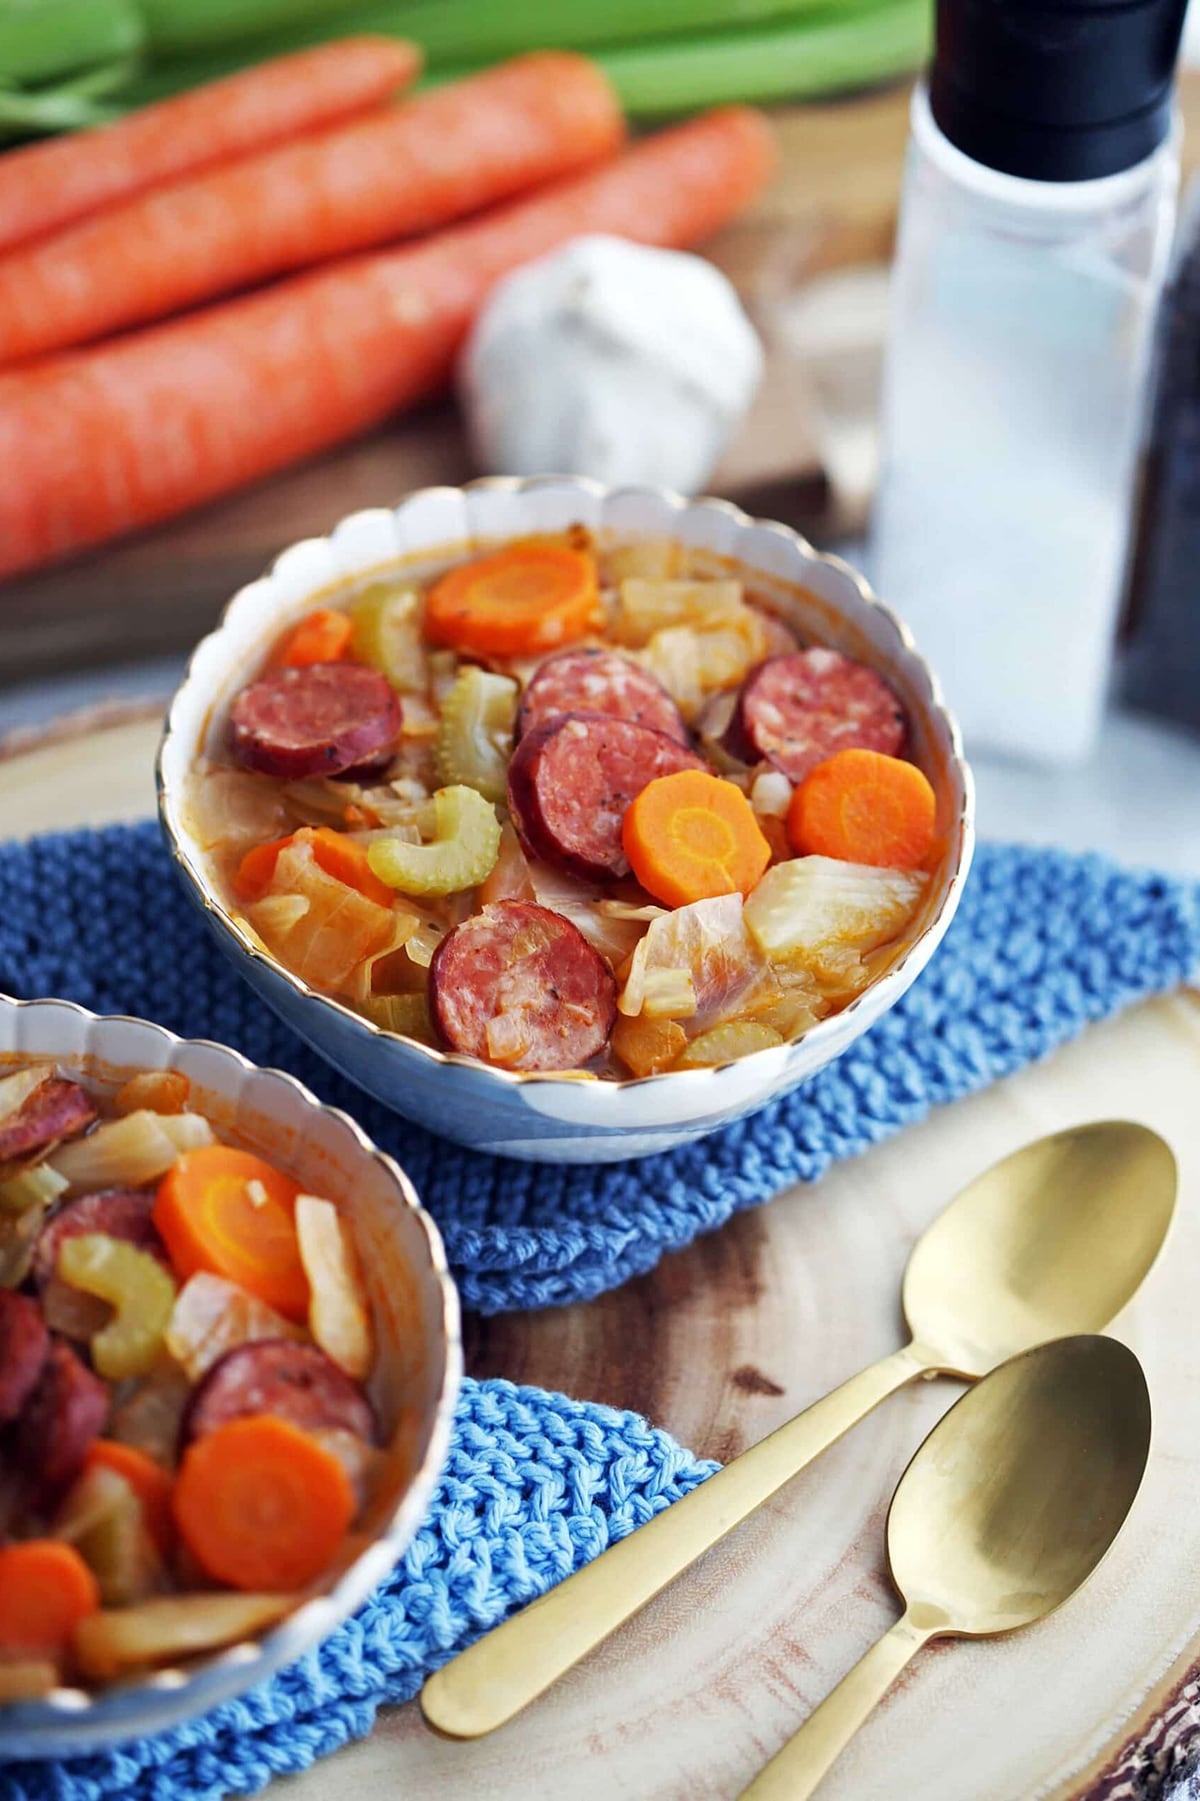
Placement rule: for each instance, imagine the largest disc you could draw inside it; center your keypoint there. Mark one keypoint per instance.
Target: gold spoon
(1003, 1513)
(1053, 1240)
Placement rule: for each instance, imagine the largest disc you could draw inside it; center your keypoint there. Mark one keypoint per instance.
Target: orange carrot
(232, 1213)
(150, 1482)
(863, 807)
(261, 1505)
(47, 186)
(45, 1590)
(389, 176)
(337, 855)
(322, 637)
(690, 836)
(101, 442)
(515, 602)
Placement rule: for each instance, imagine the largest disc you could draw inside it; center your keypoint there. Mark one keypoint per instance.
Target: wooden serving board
(723, 1342)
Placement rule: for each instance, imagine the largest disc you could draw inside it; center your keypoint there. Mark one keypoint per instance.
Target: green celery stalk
(176, 27)
(822, 54)
(41, 40)
(476, 31)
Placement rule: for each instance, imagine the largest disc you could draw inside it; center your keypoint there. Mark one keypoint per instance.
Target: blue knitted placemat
(535, 1485)
(1043, 943)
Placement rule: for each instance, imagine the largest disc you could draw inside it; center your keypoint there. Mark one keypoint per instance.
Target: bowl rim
(314, 1619)
(875, 998)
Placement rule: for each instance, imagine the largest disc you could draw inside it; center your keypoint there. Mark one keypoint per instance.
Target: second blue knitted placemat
(534, 1486)
(1043, 943)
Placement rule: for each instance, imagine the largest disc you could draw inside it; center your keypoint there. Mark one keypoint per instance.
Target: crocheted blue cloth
(1043, 943)
(535, 1485)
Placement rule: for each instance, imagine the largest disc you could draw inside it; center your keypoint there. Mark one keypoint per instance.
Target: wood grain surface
(725, 1340)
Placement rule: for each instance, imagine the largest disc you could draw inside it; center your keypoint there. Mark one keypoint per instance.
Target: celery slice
(387, 634)
(464, 850)
(35, 1187)
(475, 737)
(136, 1285)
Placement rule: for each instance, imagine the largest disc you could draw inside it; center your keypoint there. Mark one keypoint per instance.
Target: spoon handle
(511, 1666)
(795, 1772)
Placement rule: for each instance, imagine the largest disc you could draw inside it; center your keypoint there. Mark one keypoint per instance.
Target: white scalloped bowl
(414, 1387)
(561, 1118)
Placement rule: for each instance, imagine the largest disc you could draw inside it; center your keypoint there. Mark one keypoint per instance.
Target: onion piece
(339, 1313)
(114, 1640)
(130, 1152)
(212, 1316)
(16, 1089)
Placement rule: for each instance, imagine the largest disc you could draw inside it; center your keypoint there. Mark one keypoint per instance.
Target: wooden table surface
(725, 1340)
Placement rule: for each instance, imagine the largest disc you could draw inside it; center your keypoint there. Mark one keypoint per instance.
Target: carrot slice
(45, 1590)
(525, 598)
(261, 1505)
(322, 636)
(150, 1482)
(863, 807)
(690, 836)
(229, 1212)
(339, 856)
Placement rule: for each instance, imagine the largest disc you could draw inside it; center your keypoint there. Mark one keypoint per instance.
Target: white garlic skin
(610, 359)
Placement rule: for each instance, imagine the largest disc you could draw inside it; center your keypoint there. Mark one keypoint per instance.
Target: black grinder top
(1056, 90)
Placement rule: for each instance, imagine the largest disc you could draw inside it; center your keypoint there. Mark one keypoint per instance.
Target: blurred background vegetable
(65, 64)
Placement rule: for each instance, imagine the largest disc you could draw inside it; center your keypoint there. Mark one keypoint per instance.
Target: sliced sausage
(521, 986)
(295, 1382)
(56, 1109)
(24, 1347)
(800, 709)
(599, 681)
(318, 720)
(62, 1416)
(117, 1212)
(571, 781)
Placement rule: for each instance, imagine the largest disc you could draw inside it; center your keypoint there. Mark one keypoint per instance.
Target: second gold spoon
(1054, 1240)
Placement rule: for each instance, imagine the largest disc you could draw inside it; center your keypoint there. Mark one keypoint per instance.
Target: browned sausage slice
(62, 1416)
(24, 1347)
(318, 720)
(117, 1212)
(800, 709)
(56, 1109)
(521, 986)
(295, 1382)
(599, 681)
(571, 780)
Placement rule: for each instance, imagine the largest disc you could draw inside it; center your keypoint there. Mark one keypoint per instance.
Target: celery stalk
(475, 31)
(791, 60)
(176, 27)
(665, 58)
(41, 40)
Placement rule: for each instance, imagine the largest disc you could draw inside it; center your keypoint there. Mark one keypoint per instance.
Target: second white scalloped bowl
(562, 1118)
(414, 1385)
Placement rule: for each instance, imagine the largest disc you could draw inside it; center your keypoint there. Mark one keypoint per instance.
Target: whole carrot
(398, 172)
(50, 185)
(101, 442)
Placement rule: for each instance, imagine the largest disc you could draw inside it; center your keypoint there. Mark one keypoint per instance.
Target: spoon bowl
(1003, 1513)
(1016, 1495)
(1051, 1241)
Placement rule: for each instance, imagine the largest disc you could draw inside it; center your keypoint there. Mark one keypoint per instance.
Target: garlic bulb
(610, 359)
